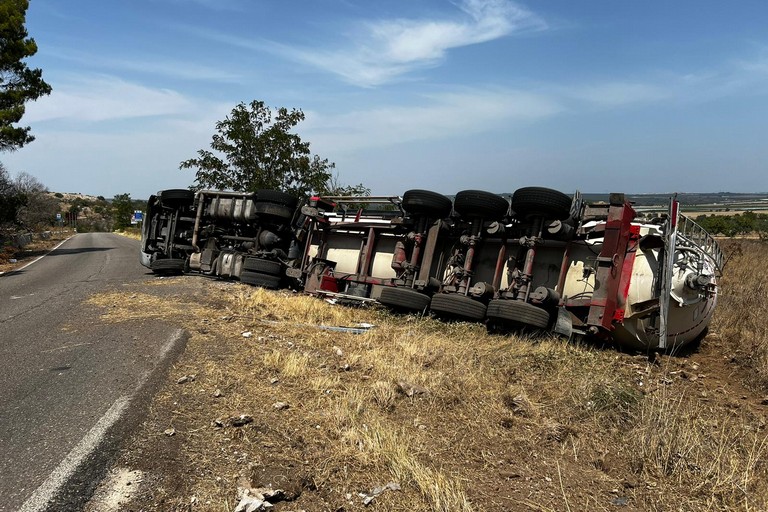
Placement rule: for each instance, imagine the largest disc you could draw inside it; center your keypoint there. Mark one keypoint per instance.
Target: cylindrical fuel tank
(231, 208)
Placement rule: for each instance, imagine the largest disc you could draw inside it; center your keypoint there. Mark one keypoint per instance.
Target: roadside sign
(58, 216)
(138, 215)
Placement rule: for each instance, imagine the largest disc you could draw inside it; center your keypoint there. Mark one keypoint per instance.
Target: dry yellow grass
(460, 419)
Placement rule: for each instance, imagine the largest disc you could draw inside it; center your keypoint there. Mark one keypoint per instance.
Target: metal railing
(693, 235)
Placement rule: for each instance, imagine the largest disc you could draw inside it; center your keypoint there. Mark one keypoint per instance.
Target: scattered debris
(409, 389)
(359, 328)
(280, 406)
(338, 351)
(368, 498)
(170, 432)
(218, 393)
(233, 421)
(274, 380)
(247, 334)
(185, 379)
(254, 500)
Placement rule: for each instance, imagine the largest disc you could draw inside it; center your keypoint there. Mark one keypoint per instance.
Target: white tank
(692, 290)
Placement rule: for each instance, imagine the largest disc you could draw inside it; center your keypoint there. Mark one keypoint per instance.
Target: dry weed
(720, 460)
(459, 418)
(740, 318)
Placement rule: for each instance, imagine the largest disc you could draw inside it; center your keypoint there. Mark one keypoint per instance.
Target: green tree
(122, 208)
(18, 83)
(254, 148)
(334, 187)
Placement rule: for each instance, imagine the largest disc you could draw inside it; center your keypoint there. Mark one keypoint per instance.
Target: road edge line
(40, 499)
(39, 257)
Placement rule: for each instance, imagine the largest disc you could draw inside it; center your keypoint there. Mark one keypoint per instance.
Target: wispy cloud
(102, 98)
(381, 51)
(148, 65)
(386, 49)
(437, 116)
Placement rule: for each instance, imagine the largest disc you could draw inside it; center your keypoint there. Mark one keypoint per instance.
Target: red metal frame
(614, 270)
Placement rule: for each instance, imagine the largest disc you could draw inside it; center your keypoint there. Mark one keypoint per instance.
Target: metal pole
(670, 241)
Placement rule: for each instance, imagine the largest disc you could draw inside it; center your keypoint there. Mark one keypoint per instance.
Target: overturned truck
(535, 260)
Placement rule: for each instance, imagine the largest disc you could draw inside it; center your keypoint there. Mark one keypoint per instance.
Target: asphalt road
(71, 386)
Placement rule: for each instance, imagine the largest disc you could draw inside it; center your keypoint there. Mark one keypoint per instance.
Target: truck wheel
(451, 305)
(425, 202)
(262, 266)
(518, 312)
(167, 266)
(404, 299)
(277, 197)
(478, 203)
(176, 197)
(549, 203)
(276, 211)
(258, 279)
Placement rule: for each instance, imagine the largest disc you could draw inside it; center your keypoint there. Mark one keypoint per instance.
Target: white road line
(38, 502)
(38, 259)
(43, 494)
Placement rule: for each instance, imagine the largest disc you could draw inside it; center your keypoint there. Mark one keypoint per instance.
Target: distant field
(694, 205)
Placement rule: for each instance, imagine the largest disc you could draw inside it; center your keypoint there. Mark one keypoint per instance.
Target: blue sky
(639, 97)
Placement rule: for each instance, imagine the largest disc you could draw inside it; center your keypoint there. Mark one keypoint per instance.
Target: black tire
(451, 305)
(478, 203)
(259, 279)
(532, 201)
(167, 266)
(176, 197)
(404, 299)
(277, 197)
(518, 312)
(262, 266)
(276, 211)
(425, 202)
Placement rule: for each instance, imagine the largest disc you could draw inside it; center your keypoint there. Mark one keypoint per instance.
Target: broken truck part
(538, 260)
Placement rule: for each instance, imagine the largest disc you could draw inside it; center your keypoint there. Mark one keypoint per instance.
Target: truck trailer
(537, 260)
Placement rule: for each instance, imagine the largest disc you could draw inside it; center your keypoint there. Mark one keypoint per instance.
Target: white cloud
(380, 51)
(387, 49)
(438, 116)
(102, 98)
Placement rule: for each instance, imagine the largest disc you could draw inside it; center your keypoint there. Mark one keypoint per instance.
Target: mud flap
(563, 323)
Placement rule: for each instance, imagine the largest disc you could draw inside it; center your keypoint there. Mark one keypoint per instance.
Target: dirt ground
(418, 414)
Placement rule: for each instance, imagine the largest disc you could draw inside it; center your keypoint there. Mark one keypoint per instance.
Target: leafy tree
(254, 148)
(122, 207)
(18, 83)
(334, 187)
